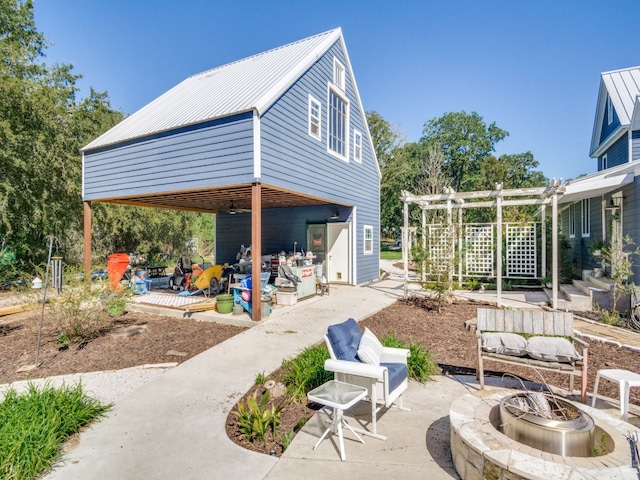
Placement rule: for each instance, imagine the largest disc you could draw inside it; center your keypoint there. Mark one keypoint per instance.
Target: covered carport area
(255, 197)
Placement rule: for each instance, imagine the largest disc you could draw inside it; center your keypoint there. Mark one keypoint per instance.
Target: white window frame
(339, 74)
(368, 249)
(572, 220)
(604, 161)
(317, 119)
(357, 146)
(585, 212)
(341, 96)
(609, 110)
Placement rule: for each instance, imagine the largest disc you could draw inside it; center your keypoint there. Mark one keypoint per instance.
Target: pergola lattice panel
(480, 250)
(521, 249)
(440, 248)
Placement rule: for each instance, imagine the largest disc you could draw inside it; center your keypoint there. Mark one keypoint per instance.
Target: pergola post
(424, 244)
(554, 250)
(256, 251)
(499, 245)
(87, 244)
(405, 247)
(543, 242)
(460, 247)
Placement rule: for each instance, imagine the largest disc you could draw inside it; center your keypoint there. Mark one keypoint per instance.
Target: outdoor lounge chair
(384, 382)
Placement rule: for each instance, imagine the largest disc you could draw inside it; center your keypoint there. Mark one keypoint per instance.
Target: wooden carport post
(256, 251)
(87, 244)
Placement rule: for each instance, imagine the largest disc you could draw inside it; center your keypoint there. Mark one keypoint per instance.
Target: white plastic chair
(375, 378)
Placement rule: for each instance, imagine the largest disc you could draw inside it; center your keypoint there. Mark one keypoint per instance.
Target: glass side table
(339, 396)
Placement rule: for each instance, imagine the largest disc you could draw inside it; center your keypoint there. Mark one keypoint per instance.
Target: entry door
(338, 252)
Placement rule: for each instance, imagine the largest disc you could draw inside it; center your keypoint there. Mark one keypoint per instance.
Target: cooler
(307, 287)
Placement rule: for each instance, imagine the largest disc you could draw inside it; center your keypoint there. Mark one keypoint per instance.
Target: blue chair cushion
(345, 338)
(397, 374)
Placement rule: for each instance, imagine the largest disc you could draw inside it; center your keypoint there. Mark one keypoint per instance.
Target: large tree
(466, 140)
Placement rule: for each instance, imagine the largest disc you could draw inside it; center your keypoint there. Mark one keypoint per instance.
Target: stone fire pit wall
(480, 451)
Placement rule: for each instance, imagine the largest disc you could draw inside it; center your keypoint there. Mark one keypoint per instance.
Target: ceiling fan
(233, 210)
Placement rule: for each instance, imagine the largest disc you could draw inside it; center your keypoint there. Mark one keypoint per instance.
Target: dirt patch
(133, 339)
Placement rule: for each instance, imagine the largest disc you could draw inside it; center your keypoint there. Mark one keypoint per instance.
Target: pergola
(497, 199)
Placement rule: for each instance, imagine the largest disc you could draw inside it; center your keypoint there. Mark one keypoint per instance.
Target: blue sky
(532, 67)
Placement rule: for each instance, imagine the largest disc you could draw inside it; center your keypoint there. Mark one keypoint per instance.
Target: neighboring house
(599, 206)
(277, 145)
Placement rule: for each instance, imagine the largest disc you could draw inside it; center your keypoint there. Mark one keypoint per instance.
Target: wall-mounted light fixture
(335, 214)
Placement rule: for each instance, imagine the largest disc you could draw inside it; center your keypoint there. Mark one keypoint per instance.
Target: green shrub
(420, 365)
(306, 371)
(35, 424)
(255, 418)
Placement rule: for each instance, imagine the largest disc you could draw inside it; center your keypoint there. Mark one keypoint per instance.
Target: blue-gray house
(276, 145)
(606, 205)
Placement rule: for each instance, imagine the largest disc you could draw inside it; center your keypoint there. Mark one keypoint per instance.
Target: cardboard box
(286, 298)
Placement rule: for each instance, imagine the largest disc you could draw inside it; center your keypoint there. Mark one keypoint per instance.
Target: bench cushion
(345, 338)
(504, 343)
(552, 349)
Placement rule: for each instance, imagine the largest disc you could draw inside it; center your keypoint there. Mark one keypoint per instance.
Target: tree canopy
(43, 126)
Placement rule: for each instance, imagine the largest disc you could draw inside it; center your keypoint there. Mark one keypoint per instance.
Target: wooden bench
(532, 323)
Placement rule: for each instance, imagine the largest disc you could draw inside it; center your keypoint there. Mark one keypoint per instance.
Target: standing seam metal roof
(623, 87)
(252, 83)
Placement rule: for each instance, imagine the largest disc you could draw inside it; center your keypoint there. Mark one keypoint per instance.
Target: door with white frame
(339, 252)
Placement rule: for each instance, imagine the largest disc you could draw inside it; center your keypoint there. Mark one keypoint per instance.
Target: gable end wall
(292, 159)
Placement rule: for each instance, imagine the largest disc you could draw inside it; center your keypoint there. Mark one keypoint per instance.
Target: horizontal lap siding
(216, 154)
(294, 160)
(618, 153)
(281, 227)
(635, 145)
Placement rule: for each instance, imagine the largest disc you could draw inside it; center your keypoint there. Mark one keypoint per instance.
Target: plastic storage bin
(286, 298)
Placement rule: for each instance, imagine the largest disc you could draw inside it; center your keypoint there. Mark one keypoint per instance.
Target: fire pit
(481, 450)
(548, 423)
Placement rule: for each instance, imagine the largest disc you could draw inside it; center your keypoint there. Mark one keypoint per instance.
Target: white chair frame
(374, 378)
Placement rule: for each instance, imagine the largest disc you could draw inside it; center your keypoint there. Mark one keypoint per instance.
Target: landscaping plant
(306, 371)
(34, 425)
(256, 418)
(420, 365)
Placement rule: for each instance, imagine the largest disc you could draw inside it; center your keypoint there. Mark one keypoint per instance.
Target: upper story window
(572, 220)
(315, 116)
(357, 146)
(338, 125)
(609, 110)
(604, 162)
(586, 219)
(368, 239)
(338, 74)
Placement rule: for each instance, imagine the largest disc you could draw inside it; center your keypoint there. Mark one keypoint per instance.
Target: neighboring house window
(572, 220)
(357, 146)
(586, 210)
(609, 111)
(315, 111)
(368, 239)
(604, 161)
(338, 124)
(338, 74)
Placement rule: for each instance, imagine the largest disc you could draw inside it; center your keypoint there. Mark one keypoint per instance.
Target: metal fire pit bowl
(572, 437)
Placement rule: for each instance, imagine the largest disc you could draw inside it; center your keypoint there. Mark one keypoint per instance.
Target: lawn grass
(391, 255)
(35, 424)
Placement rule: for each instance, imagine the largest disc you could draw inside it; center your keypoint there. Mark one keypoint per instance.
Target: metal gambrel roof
(623, 87)
(252, 83)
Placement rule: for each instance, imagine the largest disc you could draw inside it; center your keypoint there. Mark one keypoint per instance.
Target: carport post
(87, 244)
(256, 251)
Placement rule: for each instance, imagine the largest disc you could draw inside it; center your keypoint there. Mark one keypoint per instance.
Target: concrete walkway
(172, 425)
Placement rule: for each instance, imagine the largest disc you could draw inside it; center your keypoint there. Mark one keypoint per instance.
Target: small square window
(368, 239)
(338, 74)
(357, 146)
(315, 115)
